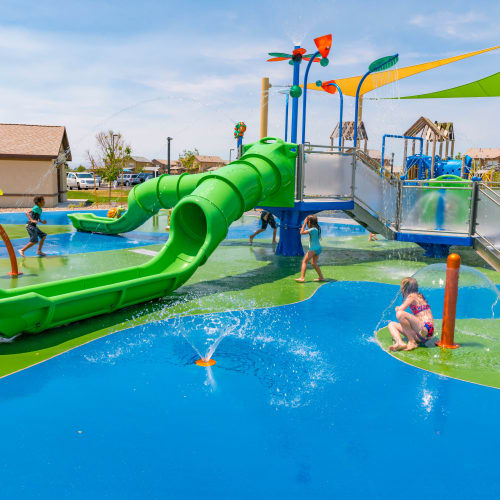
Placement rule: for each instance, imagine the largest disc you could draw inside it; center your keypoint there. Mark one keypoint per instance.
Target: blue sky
(192, 69)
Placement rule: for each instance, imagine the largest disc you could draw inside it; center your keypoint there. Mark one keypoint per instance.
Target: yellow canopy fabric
(375, 80)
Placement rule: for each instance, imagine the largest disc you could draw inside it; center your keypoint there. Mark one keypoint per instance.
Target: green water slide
(144, 201)
(200, 220)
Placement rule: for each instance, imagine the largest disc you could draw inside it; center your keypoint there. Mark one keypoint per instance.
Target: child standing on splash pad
(418, 327)
(314, 251)
(35, 234)
(266, 218)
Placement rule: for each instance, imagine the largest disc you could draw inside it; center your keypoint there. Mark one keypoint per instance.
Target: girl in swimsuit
(418, 327)
(312, 255)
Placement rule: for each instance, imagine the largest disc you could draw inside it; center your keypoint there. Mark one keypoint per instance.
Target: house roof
(209, 159)
(483, 153)
(40, 142)
(164, 163)
(140, 159)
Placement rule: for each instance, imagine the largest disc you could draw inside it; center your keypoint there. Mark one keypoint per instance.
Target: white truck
(80, 180)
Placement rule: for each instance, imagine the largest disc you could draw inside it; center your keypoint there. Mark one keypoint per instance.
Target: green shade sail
(486, 87)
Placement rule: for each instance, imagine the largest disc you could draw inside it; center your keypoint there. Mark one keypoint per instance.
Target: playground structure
(291, 180)
(205, 206)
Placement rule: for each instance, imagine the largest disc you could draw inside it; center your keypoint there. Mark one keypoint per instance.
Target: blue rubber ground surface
(302, 404)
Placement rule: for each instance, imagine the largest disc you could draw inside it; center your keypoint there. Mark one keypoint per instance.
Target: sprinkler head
(202, 362)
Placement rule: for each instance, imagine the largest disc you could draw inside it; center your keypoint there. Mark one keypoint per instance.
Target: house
(485, 157)
(32, 163)
(161, 167)
(206, 163)
(138, 163)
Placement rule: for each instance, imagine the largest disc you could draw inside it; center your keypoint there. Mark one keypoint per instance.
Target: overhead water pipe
(378, 65)
(324, 44)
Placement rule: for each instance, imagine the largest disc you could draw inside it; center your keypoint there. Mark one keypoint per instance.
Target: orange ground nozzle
(202, 362)
(12, 254)
(450, 302)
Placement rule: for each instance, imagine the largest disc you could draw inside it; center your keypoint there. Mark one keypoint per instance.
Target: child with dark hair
(35, 234)
(314, 251)
(266, 218)
(418, 327)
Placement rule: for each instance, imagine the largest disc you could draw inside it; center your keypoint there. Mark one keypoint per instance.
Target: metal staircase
(434, 216)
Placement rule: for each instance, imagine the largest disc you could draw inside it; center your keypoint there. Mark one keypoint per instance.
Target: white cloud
(469, 25)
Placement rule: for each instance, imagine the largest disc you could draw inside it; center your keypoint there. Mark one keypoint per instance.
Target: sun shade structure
(485, 87)
(381, 78)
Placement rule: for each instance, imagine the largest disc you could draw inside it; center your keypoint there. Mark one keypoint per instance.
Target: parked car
(80, 180)
(144, 176)
(124, 180)
(134, 179)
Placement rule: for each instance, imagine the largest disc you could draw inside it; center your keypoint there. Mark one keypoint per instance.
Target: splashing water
(478, 297)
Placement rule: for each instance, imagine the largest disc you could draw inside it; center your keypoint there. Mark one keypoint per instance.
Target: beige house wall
(21, 180)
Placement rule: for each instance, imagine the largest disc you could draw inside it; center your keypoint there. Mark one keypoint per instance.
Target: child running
(418, 327)
(34, 217)
(314, 251)
(266, 218)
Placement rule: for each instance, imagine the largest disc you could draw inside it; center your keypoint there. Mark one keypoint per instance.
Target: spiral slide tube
(144, 201)
(199, 222)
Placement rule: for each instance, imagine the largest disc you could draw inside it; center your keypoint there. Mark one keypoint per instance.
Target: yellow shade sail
(376, 80)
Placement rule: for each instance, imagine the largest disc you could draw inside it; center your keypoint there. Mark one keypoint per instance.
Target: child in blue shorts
(35, 234)
(314, 232)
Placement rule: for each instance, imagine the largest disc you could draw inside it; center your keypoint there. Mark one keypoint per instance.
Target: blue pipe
(304, 103)
(399, 137)
(356, 109)
(295, 100)
(341, 111)
(286, 117)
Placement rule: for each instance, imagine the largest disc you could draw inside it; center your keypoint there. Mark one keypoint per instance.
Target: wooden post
(264, 102)
(463, 167)
(413, 147)
(433, 160)
(452, 147)
(441, 149)
(427, 147)
(446, 149)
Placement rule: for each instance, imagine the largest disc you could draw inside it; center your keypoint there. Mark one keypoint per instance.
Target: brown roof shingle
(32, 141)
(483, 153)
(209, 159)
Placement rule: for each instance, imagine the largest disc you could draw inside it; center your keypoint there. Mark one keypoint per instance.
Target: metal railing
(444, 207)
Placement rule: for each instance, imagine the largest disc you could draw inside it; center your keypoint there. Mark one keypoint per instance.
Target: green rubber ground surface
(476, 360)
(236, 276)
(19, 231)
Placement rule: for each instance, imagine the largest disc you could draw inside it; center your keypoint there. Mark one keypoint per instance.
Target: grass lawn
(102, 195)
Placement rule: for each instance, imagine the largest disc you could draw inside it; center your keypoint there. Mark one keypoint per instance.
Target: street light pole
(168, 155)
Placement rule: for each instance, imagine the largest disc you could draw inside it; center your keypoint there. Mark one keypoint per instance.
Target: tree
(187, 159)
(81, 168)
(112, 153)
